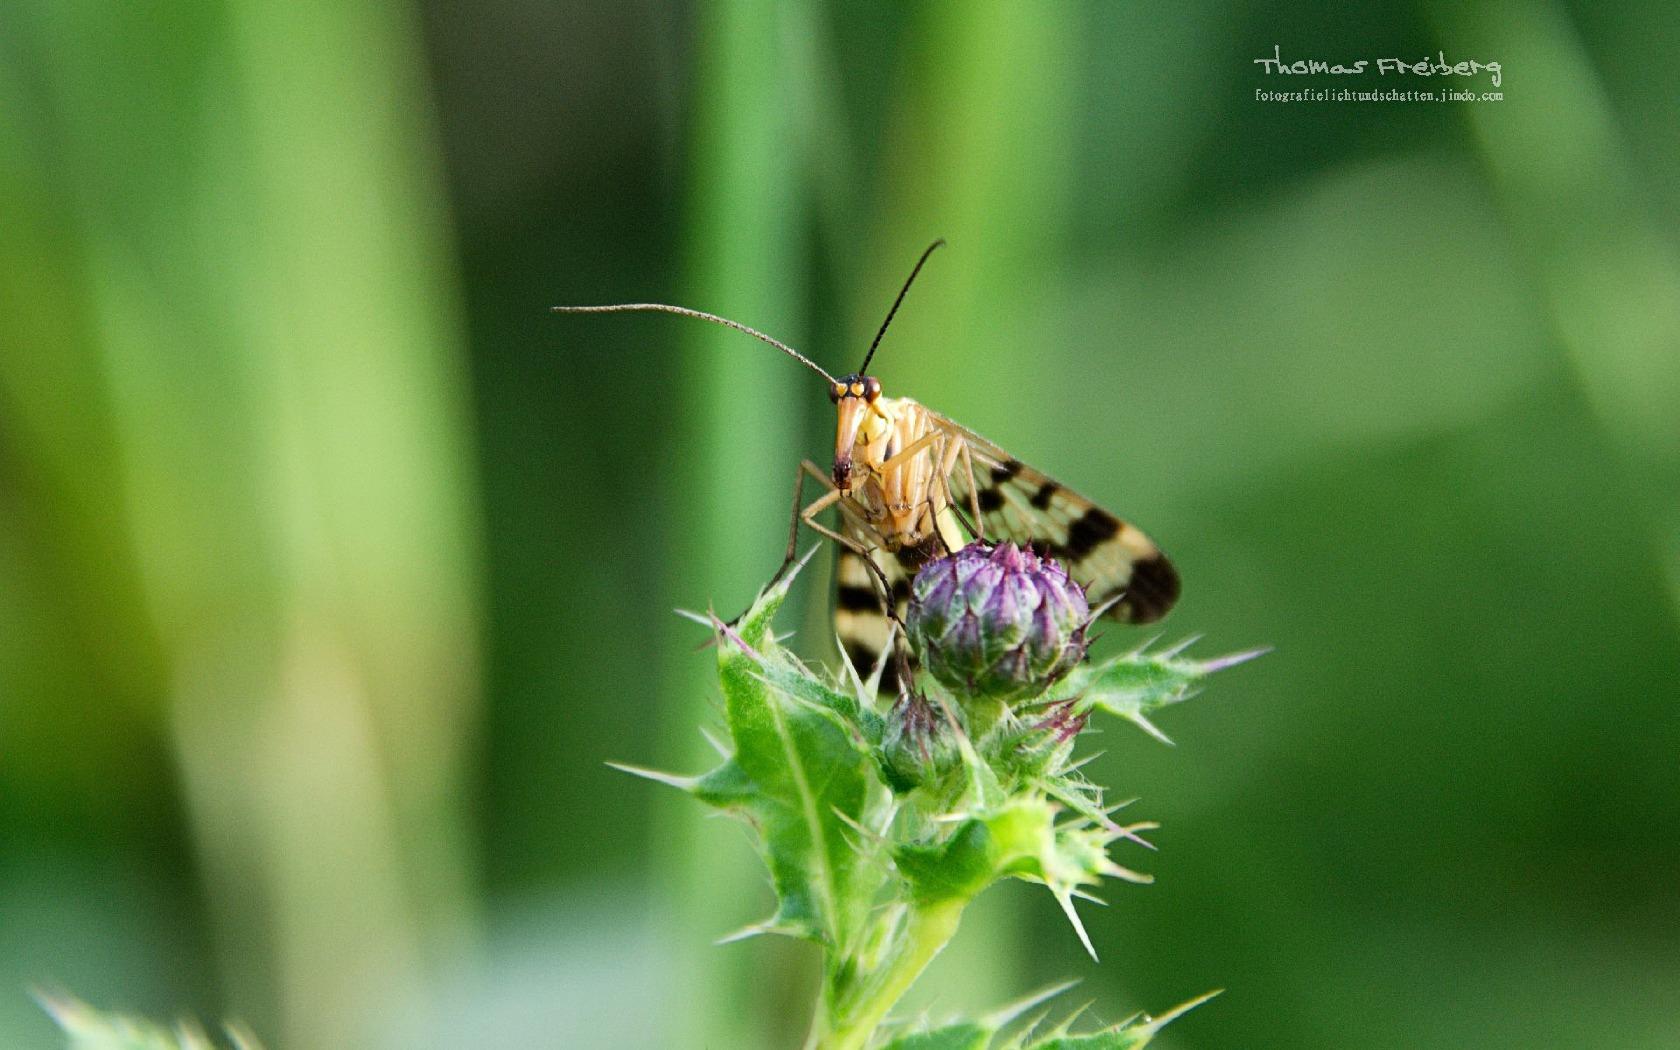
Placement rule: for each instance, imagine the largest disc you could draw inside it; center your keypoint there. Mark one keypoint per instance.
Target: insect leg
(903, 663)
(947, 458)
(865, 553)
(904, 454)
(808, 515)
(798, 513)
(802, 514)
(862, 551)
(904, 669)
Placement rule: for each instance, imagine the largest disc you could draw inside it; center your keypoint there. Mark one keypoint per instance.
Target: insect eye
(872, 388)
(836, 392)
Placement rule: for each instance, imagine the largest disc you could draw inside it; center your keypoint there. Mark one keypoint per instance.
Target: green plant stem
(982, 715)
(929, 928)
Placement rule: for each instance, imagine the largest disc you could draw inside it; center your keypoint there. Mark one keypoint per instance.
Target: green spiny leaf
(979, 850)
(799, 773)
(1113, 1039)
(955, 867)
(753, 626)
(1131, 1034)
(1135, 684)
(1021, 839)
(964, 1035)
(978, 1034)
(975, 1035)
(798, 682)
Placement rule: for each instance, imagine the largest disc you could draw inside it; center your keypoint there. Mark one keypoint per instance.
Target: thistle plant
(880, 821)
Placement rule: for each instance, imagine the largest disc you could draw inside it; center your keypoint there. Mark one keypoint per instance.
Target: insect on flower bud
(997, 622)
(918, 745)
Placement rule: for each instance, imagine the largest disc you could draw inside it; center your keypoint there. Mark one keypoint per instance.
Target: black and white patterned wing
(1111, 557)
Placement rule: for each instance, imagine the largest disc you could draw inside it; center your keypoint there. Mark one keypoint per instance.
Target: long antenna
(911, 280)
(704, 316)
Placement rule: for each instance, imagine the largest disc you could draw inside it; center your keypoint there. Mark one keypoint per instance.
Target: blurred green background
(333, 566)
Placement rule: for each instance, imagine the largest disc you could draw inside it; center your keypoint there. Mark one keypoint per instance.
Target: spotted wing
(1111, 557)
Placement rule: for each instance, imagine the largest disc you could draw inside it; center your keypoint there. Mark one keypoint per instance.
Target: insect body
(910, 485)
(890, 457)
(917, 485)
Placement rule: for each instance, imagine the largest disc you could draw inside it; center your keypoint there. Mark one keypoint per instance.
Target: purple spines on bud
(997, 622)
(1046, 734)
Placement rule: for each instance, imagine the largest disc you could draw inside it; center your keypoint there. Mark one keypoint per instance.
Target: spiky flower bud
(997, 622)
(917, 743)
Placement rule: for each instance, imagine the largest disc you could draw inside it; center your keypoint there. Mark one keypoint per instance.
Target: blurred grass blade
(1610, 273)
(237, 212)
(733, 452)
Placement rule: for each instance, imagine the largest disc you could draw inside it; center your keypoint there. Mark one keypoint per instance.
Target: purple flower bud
(997, 622)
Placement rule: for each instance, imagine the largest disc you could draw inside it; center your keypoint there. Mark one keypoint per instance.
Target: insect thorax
(900, 500)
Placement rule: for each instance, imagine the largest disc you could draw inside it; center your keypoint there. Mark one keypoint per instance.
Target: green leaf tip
(975, 1035)
(1154, 1025)
(1064, 897)
(753, 626)
(1135, 684)
(1131, 1034)
(676, 780)
(1004, 1016)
